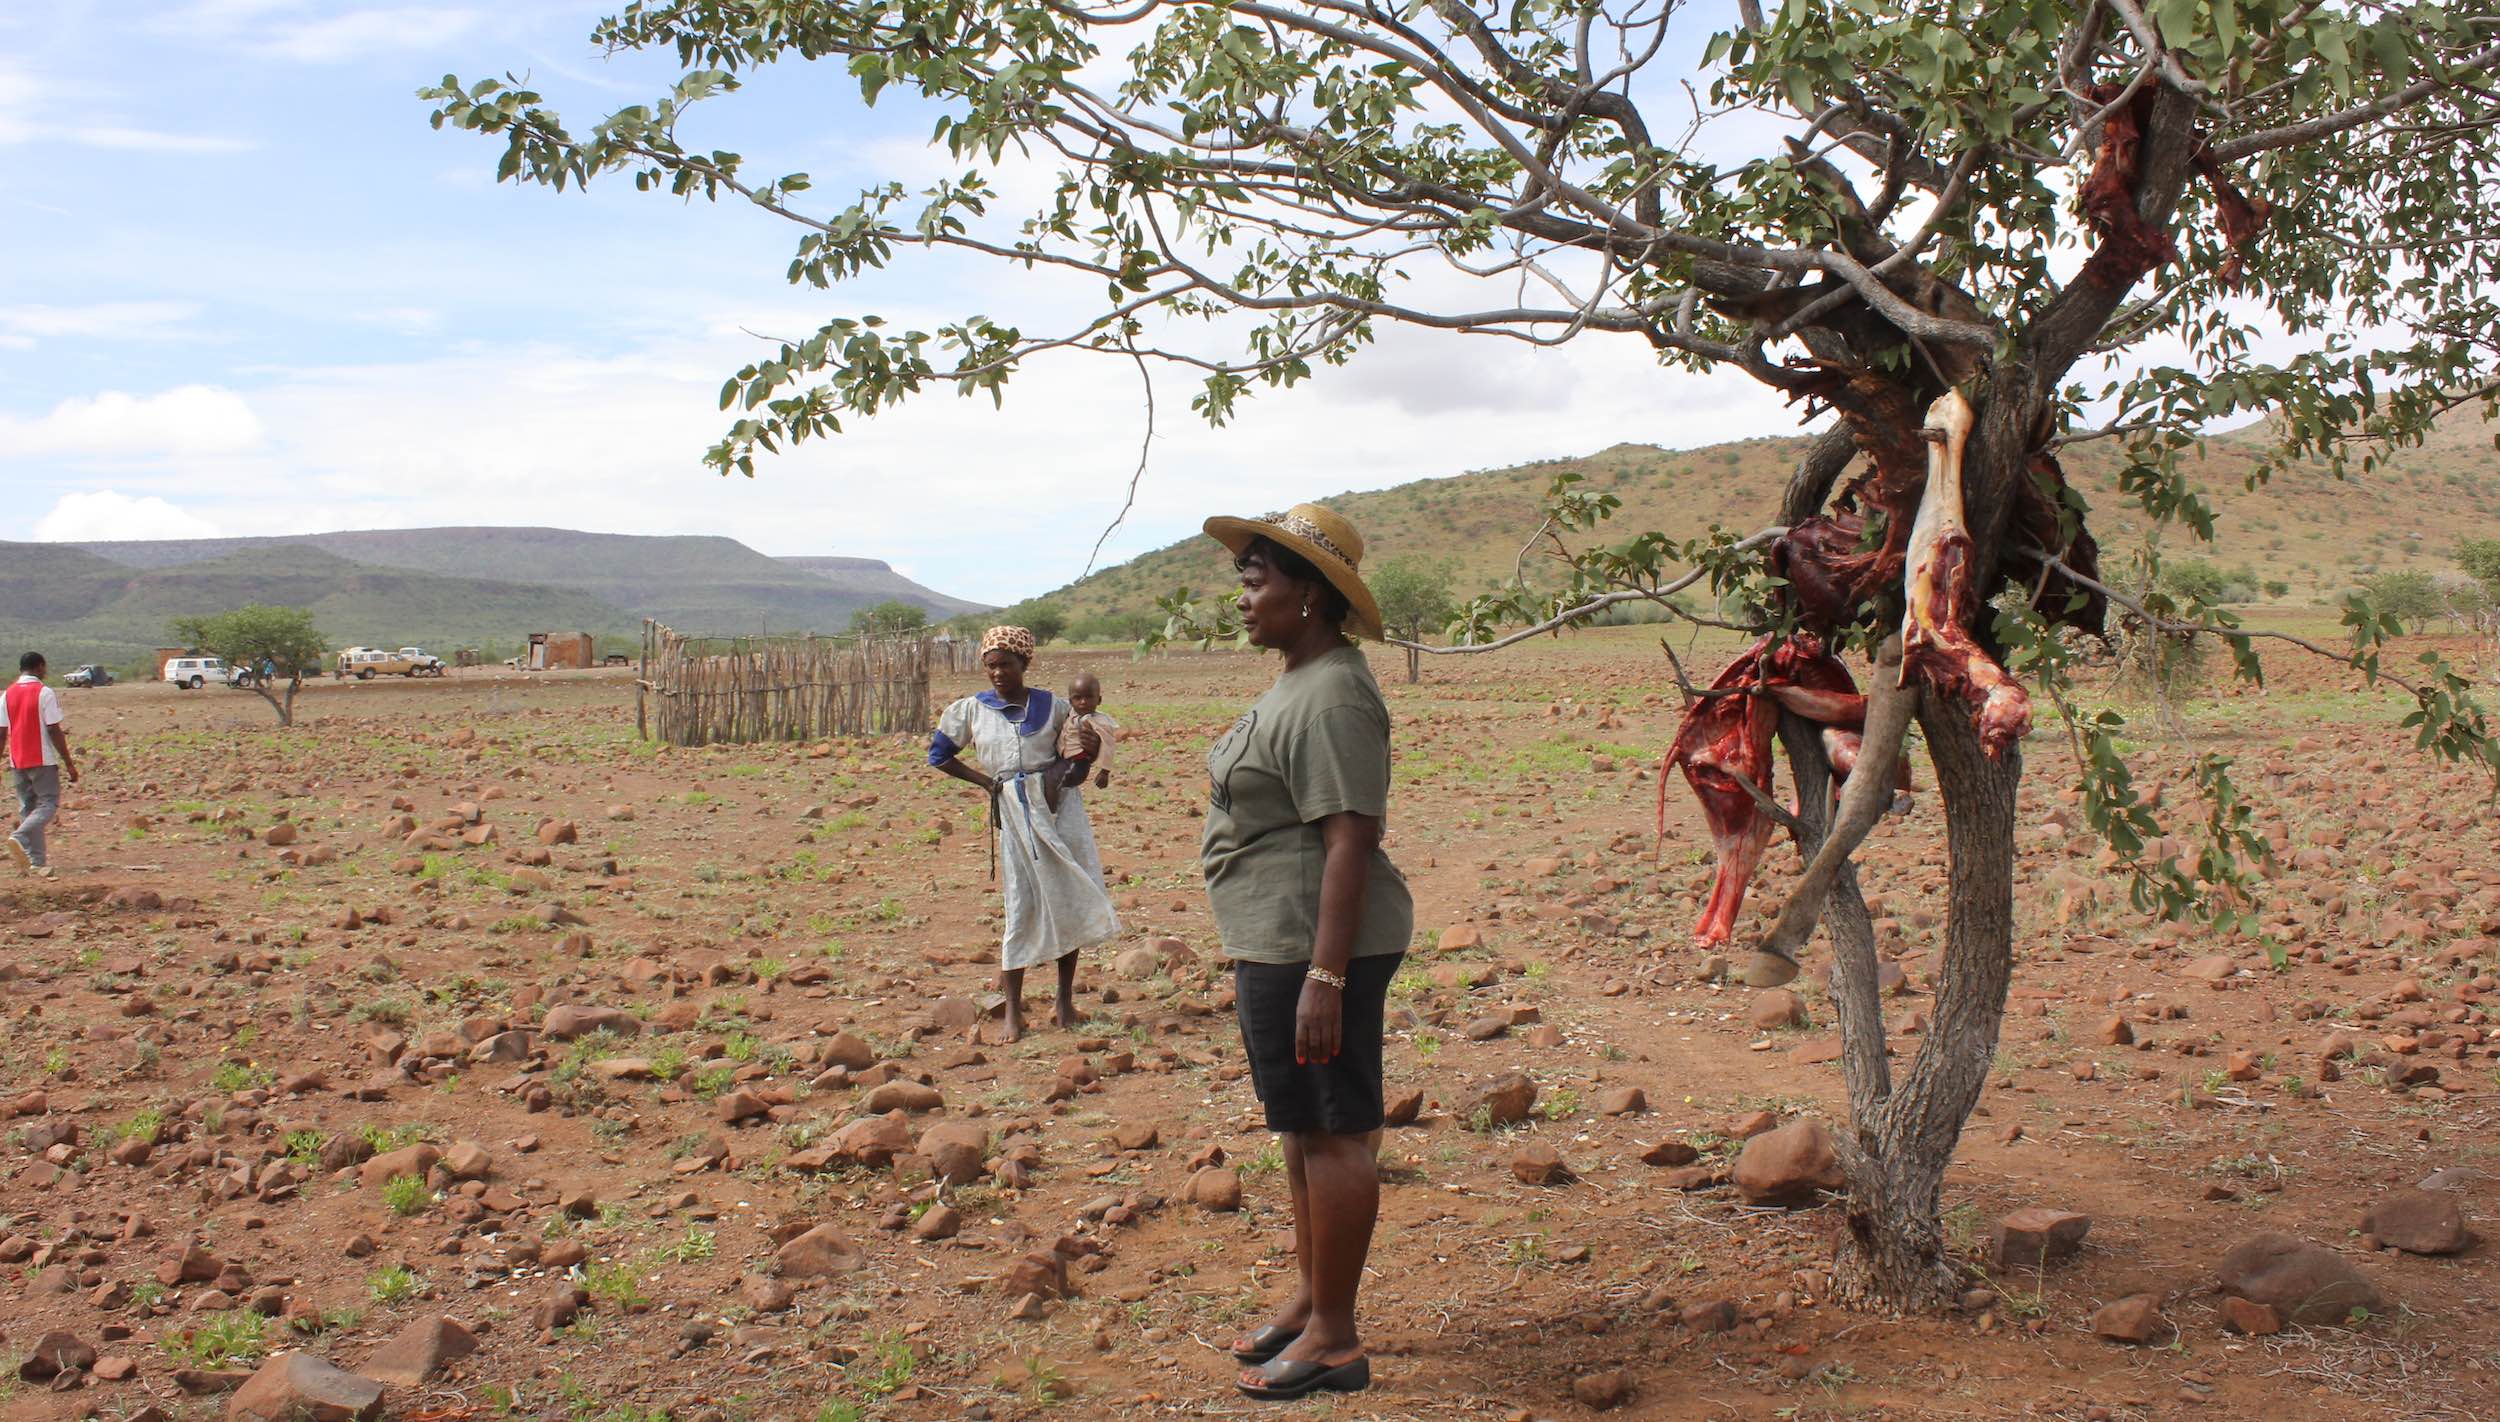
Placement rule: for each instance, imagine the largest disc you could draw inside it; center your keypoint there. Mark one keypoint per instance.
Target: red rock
(819, 1253)
(467, 1160)
(937, 1222)
(413, 1160)
(2134, 1319)
(955, 1150)
(298, 1387)
(904, 1096)
(1623, 1101)
(2252, 1318)
(1403, 1108)
(1788, 1166)
(1043, 1273)
(55, 1353)
(2033, 1237)
(846, 1049)
(1710, 1316)
(1670, 1152)
(1136, 1135)
(2304, 1282)
(2418, 1222)
(1537, 1163)
(872, 1140)
(1601, 1392)
(1777, 1008)
(1505, 1100)
(418, 1351)
(1215, 1188)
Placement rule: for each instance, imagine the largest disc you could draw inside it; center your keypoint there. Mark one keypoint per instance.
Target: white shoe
(44, 871)
(17, 851)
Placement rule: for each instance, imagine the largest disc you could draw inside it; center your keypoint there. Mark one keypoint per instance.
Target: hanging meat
(1835, 565)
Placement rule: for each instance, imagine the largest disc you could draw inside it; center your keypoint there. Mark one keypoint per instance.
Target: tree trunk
(1892, 1247)
(1414, 666)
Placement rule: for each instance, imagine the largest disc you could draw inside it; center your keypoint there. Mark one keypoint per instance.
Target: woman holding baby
(1048, 867)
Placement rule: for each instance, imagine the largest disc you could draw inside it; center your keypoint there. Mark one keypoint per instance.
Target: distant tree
(2277, 588)
(2207, 582)
(257, 638)
(890, 618)
(2407, 594)
(2480, 558)
(1043, 620)
(1414, 599)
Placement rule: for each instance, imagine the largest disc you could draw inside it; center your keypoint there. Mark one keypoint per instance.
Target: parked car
(366, 663)
(192, 673)
(88, 675)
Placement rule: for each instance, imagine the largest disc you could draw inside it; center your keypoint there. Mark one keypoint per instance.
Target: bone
(1936, 644)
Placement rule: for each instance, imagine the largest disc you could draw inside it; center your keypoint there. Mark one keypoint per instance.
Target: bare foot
(1067, 1015)
(1015, 1022)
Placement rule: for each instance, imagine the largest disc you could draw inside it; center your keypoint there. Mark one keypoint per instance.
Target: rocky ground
(452, 1055)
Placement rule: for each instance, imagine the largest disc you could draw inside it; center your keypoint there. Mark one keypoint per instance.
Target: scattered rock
(1537, 1163)
(1601, 1392)
(2304, 1282)
(2134, 1319)
(2418, 1222)
(819, 1253)
(1788, 1166)
(1504, 1101)
(956, 1150)
(2250, 1317)
(1623, 1101)
(1777, 1008)
(1216, 1188)
(2033, 1237)
(54, 1354)
(571, 1021)
(419, 1351)
(298, 1387)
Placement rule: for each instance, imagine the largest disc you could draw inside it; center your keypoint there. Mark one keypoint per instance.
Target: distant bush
(1114, 627)
(2208, 582)
(2408, 595)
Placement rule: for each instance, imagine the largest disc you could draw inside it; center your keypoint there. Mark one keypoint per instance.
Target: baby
(1073, 765)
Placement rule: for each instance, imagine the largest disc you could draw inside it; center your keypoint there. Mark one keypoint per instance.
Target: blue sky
(244, 288)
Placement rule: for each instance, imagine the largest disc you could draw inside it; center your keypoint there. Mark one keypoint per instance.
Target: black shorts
(1340, 1097)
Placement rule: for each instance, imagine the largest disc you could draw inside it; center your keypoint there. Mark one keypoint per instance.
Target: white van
(196, 672)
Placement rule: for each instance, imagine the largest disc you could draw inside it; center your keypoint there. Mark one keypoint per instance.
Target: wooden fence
(696, 691)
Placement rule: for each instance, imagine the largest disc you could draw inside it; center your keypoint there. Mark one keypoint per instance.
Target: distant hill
(78, 607)
(437, 587)
(876, 581)
(692, 582)
(2303, 528)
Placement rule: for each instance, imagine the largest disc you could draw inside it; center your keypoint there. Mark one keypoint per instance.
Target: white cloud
(316, 32)
(105, 514)
(148, 140)
(339, 38)
(186, 421)
(53, 110)
(24, 326)
(980, 503)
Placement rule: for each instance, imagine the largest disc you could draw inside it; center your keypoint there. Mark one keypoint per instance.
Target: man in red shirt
(30, 718)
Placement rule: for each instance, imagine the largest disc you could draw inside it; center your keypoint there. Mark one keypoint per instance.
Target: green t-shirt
(1317, 744)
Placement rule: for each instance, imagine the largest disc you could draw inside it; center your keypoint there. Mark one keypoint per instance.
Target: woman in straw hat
(1048, 867)
(1314, 917)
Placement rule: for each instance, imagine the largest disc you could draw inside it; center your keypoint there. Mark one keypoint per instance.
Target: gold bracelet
(1322, 975)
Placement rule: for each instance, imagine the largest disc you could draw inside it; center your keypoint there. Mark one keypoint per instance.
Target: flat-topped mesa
(1936, 643)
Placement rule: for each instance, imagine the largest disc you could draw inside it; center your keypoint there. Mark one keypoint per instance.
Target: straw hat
(1320, 535)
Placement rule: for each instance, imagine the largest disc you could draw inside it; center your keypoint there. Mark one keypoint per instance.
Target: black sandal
(1265, 1344)
(1284, 1380)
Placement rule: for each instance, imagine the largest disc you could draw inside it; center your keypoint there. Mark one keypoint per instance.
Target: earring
(1306, 611)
